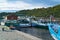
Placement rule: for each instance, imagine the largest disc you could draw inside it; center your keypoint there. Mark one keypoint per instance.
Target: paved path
(15, 35)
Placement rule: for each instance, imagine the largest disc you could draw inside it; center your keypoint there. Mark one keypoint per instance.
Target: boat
(38, 24)
(27, 22)
(54, 31)
(24, 23)
(11, 22)
(19, 23)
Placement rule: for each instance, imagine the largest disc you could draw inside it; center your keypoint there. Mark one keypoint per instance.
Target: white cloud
(14, 6)
(2, 1)
(18, 5)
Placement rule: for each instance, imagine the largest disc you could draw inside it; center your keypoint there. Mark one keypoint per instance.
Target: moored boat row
(27, 22)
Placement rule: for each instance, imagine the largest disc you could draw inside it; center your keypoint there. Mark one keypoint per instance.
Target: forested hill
(41, 12)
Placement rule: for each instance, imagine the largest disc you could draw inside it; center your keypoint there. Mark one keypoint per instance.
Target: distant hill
(41, 12)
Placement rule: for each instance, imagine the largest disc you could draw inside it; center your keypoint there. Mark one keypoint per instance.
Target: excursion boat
(11, 22)
(17, 23)
(54, 31)
(32, 23)
(24, 23)
(40, 24)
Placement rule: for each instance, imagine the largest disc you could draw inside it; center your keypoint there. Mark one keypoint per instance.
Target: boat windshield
(23, 21)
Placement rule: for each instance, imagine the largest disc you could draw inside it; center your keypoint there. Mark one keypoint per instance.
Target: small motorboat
(11, 22)
(54, 30)
(38, 24)
(24, 23)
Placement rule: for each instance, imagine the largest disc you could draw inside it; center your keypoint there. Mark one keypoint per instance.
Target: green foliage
(41, 12)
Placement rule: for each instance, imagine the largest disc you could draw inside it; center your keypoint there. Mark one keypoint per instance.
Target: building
(12, 17)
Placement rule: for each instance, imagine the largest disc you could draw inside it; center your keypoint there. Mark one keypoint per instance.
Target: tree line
(39, 12)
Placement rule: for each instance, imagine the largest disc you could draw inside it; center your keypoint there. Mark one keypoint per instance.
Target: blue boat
(54, 30)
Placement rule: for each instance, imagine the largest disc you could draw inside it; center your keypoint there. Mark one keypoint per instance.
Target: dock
(16, 35)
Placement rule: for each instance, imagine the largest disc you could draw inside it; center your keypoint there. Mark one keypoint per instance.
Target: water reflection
(40, 33)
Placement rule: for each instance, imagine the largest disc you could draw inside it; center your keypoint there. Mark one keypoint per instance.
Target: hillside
(41, 12)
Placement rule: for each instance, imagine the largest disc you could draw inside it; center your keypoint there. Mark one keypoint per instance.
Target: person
(2, 29)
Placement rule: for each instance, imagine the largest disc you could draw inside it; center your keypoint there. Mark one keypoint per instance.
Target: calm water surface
(38, 32)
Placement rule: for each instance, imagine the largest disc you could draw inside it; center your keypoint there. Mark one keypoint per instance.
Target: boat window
(23, 21)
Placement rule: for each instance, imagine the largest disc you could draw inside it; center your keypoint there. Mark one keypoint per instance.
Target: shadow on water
(38, 32)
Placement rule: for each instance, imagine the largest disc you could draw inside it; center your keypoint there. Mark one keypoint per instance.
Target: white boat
(39, 23)
(24, 23)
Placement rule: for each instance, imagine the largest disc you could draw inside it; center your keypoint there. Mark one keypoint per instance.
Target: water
(38, 32)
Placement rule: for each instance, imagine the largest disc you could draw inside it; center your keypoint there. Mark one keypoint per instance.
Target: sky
(16, 5)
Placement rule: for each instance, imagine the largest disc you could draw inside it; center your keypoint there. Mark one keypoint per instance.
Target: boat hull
(39, 25)
(55, 35)
(24, 25)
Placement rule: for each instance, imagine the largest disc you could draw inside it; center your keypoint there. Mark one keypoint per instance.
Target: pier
(16, 35)
(25, 34)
